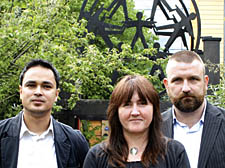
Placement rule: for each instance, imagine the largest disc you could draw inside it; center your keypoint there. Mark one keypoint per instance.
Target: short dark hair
(42, 63)
(186, 56)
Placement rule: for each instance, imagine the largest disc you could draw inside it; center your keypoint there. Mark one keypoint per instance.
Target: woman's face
(136, 115)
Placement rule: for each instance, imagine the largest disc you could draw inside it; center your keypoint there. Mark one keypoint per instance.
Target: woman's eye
(142, 103)
(126, 104)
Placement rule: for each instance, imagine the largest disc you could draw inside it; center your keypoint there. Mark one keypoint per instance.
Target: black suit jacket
(212, 148)
(70, 145)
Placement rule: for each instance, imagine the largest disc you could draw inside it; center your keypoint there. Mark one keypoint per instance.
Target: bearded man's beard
(187, 102)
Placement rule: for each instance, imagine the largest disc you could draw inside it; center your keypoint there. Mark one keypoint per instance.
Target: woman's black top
(175, 157)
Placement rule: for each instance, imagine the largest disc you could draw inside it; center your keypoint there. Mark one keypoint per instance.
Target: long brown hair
(117, 147)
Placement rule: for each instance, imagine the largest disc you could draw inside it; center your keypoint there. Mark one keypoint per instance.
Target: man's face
(38, 91)
(186, 85)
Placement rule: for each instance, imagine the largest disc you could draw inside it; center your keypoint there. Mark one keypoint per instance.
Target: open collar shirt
(35, 150)
(189, 137)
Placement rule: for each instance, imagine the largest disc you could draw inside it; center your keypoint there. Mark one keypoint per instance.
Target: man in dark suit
(192, 120)
(33, 138)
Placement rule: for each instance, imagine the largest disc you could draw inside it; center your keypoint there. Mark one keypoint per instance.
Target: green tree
(217, 95)
(50, 30)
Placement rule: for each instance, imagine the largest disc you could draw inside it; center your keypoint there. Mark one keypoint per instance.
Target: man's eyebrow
(48, 82)
(195, 76)
(33, 82)
(29, 81)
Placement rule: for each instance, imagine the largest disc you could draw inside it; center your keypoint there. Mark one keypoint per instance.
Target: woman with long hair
(135, 138)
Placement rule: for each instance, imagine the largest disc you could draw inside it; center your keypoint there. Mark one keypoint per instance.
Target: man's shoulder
(5, 121)
(62, 129)
(166, 114)
(175, 145)
(9, 121)
(222, 110)
(66, 128)
(216, 110)
(4, 124)
(10, 126)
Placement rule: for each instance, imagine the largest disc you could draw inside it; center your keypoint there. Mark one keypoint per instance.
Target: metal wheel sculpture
(179, 19)
(181, 25)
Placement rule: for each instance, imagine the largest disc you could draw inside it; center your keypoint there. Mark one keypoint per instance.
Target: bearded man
(192, 120)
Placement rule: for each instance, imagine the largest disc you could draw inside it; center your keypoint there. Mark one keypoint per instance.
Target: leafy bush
(50, 30)
(217, 96)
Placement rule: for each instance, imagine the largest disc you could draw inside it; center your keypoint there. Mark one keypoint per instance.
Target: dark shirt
(134, 165)
(175, 157)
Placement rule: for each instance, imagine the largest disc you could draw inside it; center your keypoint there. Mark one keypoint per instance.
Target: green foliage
(50, 30)
(217, 97)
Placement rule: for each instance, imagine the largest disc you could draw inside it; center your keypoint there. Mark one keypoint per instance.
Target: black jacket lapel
(62, 146)
(210, 131)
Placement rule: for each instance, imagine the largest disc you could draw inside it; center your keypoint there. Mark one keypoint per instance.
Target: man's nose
(186, 88)
(38, 91)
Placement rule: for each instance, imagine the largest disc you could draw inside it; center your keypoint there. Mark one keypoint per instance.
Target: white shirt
(190, 138)
(36, 151)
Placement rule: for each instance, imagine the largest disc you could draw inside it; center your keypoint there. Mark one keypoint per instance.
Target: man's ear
(206, 78)
(20, 90)
(165, 82)
(57, 94)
